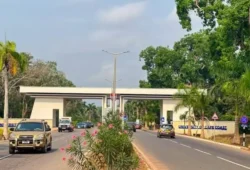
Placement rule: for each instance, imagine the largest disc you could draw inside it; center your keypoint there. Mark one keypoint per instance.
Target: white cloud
(123, 13)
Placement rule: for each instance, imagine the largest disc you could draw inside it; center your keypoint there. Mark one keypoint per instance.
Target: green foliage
(150, 117)
(107, 148)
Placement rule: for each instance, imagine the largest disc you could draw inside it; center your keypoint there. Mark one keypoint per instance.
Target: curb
(209, 141)
(148, 162)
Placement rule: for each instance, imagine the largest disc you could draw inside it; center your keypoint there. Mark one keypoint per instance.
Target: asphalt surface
(39, 161)
(190, 154)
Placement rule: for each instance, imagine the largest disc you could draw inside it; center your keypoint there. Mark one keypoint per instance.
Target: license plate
(25, 142)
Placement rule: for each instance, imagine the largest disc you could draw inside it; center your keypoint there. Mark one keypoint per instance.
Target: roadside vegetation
(216, 58)
(109, 147)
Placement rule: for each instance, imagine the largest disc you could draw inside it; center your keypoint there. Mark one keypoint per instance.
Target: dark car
(166, 130)
(91, 124)
(130, 126)
(83, 125)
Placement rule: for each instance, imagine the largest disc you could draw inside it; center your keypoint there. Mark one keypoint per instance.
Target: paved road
(190, 154)
(39, 161)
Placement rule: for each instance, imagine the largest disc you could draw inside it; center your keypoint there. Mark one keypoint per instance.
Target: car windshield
(64, 121)
(30, 126)
(169, 127)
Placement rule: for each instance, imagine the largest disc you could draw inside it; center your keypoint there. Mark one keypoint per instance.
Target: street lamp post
(115, 55)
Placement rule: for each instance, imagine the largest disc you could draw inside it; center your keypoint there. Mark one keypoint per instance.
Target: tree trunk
(189, 127)
(202, 126)
(189, 123)
(6, 104)
(137, 112)
(249, 16)
(236, 138)
(184, 126)
(89, 116)
(146, 122)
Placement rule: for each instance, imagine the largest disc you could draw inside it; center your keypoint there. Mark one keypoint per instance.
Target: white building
(50, 101)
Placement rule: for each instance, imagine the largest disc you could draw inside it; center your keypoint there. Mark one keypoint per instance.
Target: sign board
(244, 126)
(224, 128)
(162, 119)
(244, 120)
(215, 117)
(125, 117)
(113, 95)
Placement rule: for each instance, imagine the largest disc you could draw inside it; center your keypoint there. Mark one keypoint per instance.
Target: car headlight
(12, 136)
(41, 136)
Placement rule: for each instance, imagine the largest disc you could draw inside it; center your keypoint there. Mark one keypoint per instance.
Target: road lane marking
(202, 151)
(185, 145)
(1, 158)
(233, 162)
(173, 141)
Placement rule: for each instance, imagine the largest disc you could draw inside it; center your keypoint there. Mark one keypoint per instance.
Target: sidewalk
(204, 140)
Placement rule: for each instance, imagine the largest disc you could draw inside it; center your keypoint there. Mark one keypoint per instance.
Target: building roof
(95, 93)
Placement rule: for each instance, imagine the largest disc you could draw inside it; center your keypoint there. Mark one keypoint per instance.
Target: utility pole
(115, 55)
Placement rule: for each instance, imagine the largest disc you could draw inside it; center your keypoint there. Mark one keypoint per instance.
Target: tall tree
(10, 62)
(91, 109)
(188, 97)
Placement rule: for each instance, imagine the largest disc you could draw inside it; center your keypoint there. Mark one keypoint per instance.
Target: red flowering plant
(109, 147)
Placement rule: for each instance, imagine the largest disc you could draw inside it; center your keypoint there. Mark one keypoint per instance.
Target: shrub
(108, 148)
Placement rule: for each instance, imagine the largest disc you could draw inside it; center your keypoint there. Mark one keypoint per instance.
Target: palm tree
(10, 63)
(239, 89)
(150, 117)
(184, 118)
(188, 100)
(202, 102)
(91, 109)
(233, 88)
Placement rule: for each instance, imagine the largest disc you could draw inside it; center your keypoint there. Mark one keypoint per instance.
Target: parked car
(166, 130)
(130, 126)
(91, 124)
(83, 125)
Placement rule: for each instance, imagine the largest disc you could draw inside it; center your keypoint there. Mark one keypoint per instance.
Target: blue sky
(74, 32)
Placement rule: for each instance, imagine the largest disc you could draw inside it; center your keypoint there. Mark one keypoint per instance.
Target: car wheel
(172, 136)
(59, 130)
(50, 146)
(45, 148)
(11, 150)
